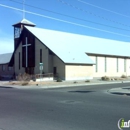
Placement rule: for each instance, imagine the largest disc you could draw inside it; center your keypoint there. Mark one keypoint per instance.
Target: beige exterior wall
(45, 57)
(79, 72)
(16, 61)
(128, 67)
(94, 66)
(110, 66)
(101, 68)
(49, 60)
(60, 67)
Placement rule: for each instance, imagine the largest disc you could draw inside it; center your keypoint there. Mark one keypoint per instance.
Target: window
(96, 64)
(54, 70)
(10, 68)
(3, 67)
(19, 61)
(117, 66)
(105, 64)
(124, 65)
(40, 55)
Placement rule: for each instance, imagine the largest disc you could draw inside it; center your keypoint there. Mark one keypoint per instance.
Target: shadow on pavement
(81, 91)
(124, 94)
(6, 87)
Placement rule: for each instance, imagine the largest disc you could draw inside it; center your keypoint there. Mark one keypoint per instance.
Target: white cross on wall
(26, 47)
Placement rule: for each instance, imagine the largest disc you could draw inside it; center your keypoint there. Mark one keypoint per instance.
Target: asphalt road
(77, 108)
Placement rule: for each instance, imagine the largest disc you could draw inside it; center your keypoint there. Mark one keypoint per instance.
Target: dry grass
(24, 77)
(32, 83)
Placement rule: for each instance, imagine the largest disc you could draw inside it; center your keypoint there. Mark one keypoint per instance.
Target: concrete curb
(121, 91)
(74, 85)
(62, 85)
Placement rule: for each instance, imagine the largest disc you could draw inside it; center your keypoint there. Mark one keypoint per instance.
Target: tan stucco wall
(111, 66)
(101, 68)
(38, 46)
(79, 72)
(46, 58)
(94, 66)
(128, 67)
(49, 61)
(121, 64)
(16, 61)
(60, 67)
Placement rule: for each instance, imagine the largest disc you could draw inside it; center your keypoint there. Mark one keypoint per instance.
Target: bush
(75, 82)
(87, 81)
(24, 77)
(105, 78)
(24, 83)
(123, 76)
(59, 80)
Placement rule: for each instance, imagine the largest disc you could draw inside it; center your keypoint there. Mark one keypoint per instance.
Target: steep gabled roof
(25, 22)
(72, 47)
(68, 42)
(5, 58)
(60, 46)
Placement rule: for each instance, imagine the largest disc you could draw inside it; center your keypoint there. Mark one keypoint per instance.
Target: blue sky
(88, 17)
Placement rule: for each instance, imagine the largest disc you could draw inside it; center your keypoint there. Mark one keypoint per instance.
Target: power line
(88, 12)
(70, 16)
(64, 21)
(103, 8)
(23, 8)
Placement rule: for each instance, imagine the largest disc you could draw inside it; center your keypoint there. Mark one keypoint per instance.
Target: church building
(6, 72)
(67, 55)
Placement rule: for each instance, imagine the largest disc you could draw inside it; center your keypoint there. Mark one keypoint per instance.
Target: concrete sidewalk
(54, 84)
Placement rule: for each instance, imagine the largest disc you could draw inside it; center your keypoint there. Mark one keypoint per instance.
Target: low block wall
(45, 79)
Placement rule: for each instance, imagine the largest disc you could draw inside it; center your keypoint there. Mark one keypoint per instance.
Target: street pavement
(88, 107)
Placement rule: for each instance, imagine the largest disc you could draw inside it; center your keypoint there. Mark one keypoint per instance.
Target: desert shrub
(23, 77)
(123, 76)
(58, 80)
(105, 78)
(87, 81)
(24, 83)
(75, 82)
(33, 78)
(112, 79)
